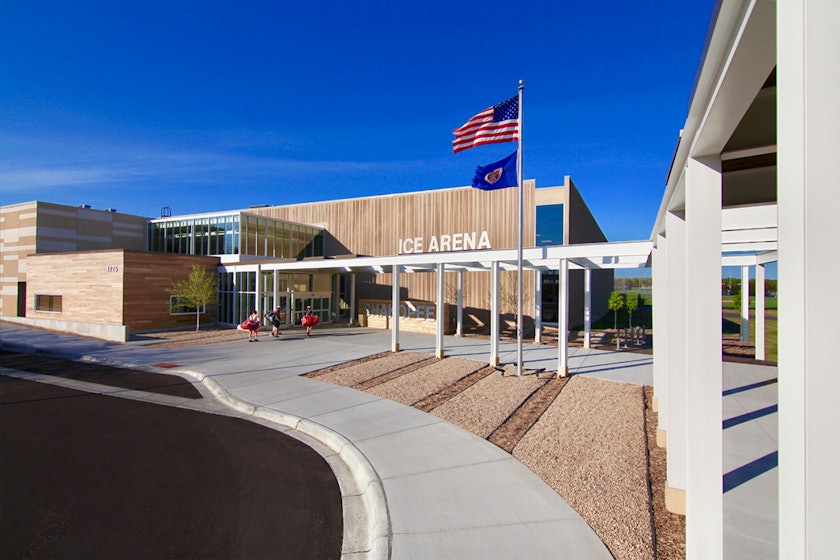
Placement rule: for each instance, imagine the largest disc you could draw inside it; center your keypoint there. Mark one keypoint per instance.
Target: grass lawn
(769, 302)
(642, 316)
(732, 325)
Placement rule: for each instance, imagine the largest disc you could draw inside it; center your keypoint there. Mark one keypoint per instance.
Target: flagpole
(519, 251)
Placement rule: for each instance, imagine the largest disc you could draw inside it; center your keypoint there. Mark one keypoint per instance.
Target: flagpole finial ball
(521, 83)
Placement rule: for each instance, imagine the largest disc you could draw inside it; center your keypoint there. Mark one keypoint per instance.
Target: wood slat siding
(375, 225)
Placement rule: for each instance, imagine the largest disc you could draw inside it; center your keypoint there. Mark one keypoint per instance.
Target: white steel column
(704, 370)
(675, 308)
(808, 80)
(440, 327)
(290, 319)
(237, 313)
(395, 309)
(587, 307)
(459, 326)
(352, 298)
(276, 286)
(563, 319)
(494, 313)
(537, 306)
(760, 350)
(745, 303)
(659, 279)
(258, 295)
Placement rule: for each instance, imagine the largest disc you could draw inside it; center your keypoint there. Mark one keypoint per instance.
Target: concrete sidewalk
(423, 487)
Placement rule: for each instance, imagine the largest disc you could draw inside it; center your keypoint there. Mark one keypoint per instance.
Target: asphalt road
(91, 476)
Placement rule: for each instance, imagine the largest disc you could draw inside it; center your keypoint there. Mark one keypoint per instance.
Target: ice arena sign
(445, 242)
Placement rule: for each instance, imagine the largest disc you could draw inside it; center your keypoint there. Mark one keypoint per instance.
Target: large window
(48, 303)
(177, 306)
(235, 234)
(549, 229)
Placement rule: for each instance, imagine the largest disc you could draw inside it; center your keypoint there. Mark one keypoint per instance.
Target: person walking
(309, 320)
(273, 317)
(254, 326)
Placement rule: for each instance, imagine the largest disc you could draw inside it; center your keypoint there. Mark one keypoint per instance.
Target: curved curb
(363, 498)
(373, 541)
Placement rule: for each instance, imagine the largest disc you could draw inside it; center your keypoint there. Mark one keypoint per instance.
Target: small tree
(615, 304)
(632, 305)
(197, 291)
(736, 300)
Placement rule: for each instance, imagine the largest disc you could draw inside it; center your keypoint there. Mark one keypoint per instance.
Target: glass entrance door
(319, 302)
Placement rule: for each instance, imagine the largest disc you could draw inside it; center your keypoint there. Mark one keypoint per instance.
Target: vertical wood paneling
(375, 225)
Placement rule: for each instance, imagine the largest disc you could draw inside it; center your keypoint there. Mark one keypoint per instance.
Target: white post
(440, 327)
(675, 483)
(760, 350)
(587, 307)
(258, 295)
(395, 309)
(745, 303)
(276, 288)
(808, 79)
(352, 298)
(563, 319)
(237, 313)
(704, 370)
(494, 313)
(537, 306)
(459, 328)
(290, 320)
(660, 327)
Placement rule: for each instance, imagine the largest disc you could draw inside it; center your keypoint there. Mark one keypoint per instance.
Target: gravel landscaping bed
(359, 373)
(418, 384)
(484, 407)
(590, 446)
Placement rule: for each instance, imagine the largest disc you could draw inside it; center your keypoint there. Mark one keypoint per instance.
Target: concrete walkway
(415, 486)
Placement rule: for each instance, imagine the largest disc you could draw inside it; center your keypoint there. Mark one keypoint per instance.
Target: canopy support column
(675, 291)
(440, 327)
(352, 298)
(563, 319)
(760, 350)
(745, 304)
(258, 305)
(537, 306)
(459, 328)
(703, 366)
(587, 307)
(494, 313)
(395, 309)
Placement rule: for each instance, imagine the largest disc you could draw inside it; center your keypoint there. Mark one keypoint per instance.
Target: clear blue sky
(206, 106)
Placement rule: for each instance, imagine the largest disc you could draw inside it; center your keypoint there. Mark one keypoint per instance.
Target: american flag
(499, 123)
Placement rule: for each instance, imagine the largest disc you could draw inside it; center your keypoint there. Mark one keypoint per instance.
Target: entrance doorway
(320, 302)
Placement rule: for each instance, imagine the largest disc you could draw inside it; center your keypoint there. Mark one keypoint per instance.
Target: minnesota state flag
(498, 175)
